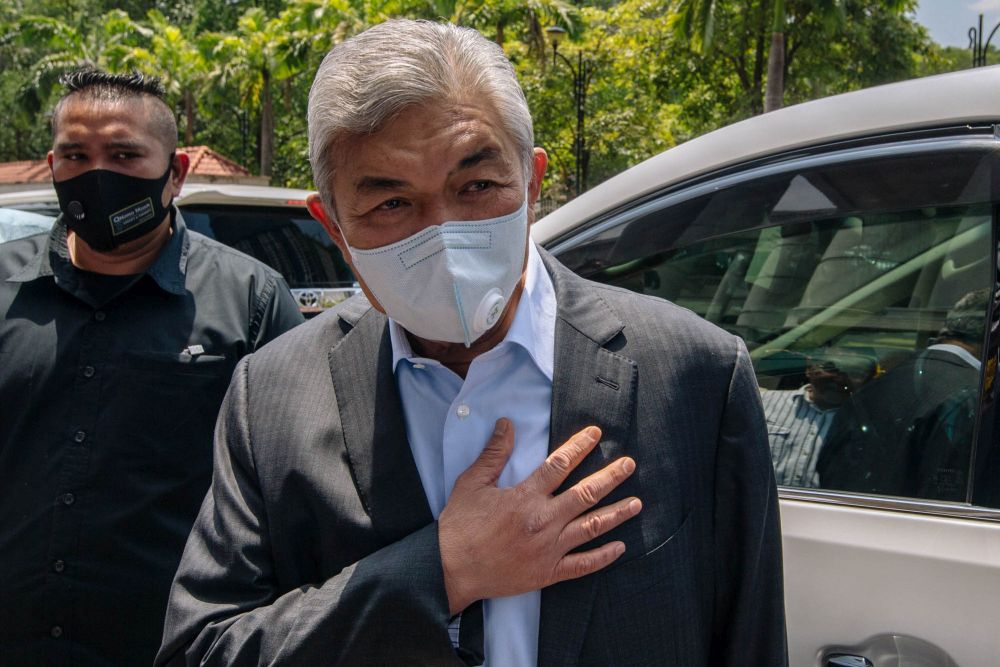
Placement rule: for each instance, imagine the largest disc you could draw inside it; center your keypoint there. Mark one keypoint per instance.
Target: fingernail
(500, 428)
(628, 465)
(635, 506)
(619, 549)
(593, 433)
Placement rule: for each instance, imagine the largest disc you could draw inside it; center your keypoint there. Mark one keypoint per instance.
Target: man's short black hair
(113, 86)
(98, 85)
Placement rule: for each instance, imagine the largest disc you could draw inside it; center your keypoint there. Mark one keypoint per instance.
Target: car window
(285, 238)
(861, 285)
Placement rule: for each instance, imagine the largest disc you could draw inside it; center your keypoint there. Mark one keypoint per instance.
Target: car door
(864, 280)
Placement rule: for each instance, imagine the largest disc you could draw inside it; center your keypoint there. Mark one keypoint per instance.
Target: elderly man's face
(434, 163)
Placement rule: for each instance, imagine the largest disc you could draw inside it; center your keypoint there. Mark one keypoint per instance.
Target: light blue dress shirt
(448, 422)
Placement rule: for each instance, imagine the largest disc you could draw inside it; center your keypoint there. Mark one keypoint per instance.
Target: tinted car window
(284, 238)
(861, 284)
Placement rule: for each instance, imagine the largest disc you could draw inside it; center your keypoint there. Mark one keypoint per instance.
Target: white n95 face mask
(449, 282)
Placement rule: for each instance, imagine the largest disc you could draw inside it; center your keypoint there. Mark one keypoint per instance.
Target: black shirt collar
(168, 271)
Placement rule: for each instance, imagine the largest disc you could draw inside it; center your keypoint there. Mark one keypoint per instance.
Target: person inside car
(909, 432)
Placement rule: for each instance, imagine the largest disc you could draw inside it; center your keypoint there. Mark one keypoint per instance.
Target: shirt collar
(533, 327)
(959, 352)
(168, 270)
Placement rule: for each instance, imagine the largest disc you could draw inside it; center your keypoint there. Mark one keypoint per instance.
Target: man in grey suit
(355, 518)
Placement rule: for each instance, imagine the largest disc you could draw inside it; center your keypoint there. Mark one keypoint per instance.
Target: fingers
(487, 467)
(560, 463)
(591, 490)
(594, 524)
(573, 566)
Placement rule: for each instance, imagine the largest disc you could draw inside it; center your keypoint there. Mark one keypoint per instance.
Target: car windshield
(16, 224)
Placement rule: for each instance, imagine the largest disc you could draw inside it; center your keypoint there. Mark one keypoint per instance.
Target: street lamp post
(581, 81)
(979, 49)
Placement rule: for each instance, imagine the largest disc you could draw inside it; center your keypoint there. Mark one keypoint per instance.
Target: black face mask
(107, 208)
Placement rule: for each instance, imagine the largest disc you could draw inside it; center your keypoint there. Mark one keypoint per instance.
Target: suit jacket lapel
(371, 416)
(591, 385)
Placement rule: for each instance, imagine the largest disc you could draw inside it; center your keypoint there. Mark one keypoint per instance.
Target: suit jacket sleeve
(225, 605)
(749, 598)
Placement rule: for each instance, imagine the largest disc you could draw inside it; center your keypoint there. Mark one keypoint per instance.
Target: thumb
(487, 467)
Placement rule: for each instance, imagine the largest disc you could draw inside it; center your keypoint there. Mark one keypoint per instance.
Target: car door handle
(846, 660)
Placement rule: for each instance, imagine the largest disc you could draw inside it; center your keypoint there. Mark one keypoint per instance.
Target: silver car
(853, 243)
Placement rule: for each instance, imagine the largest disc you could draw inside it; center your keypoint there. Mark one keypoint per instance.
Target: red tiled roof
(204, 162)
(25, 171)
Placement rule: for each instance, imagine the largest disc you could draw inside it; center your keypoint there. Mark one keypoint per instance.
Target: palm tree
(261, 51)
(175, 57)
(695, 19)
(54, 47)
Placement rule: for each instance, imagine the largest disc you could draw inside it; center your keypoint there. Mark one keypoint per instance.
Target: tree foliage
(657, 71)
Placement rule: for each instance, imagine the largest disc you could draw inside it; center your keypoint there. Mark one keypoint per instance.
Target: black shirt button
(100, 316)
(88, 372)
(59, 565)
(68, 499)
(79, 436)
(56, 631)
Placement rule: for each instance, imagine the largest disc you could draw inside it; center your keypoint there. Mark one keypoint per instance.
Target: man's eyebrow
(378, 184)
(126, 144)
(122, 144)
(482, 155)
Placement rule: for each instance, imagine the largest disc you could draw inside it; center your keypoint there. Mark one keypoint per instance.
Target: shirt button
(88, 372)
(59, 565)
(56, 631)
(463, 411)
(68, 499)
(100, 316)
(79, 437)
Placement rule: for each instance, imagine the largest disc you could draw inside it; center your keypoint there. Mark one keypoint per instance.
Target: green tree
(260, 52)
(174, 56)
(50, 48)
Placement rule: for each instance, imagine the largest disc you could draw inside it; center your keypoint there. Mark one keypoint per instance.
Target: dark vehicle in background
(270, 224)
(853, 238)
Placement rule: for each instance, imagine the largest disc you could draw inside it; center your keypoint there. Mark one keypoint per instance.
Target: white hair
(366, 81)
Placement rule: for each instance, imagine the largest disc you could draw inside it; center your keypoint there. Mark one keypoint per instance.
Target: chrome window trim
(681, 192)
(892, 504)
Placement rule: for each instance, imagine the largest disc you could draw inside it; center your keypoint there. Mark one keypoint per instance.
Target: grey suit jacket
(315, 544)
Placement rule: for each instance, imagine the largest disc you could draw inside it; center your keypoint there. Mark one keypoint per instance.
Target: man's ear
(178, 171)
(539, 162)
(318, 210)
(49, 158)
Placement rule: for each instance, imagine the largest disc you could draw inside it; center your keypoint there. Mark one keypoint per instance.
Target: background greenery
(661, 71)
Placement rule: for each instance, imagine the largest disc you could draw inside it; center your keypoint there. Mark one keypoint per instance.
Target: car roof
(193, 193)
(243, 195)
(960, 98)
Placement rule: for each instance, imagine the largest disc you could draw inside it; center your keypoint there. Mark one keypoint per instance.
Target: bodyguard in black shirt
(119, 331)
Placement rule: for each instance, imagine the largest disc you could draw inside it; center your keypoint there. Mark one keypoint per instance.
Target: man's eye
(125, 155)
(74, 156)
(390, 205)
(479, 186)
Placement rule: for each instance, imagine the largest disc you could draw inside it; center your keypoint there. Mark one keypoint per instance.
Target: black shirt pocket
(165, 406)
